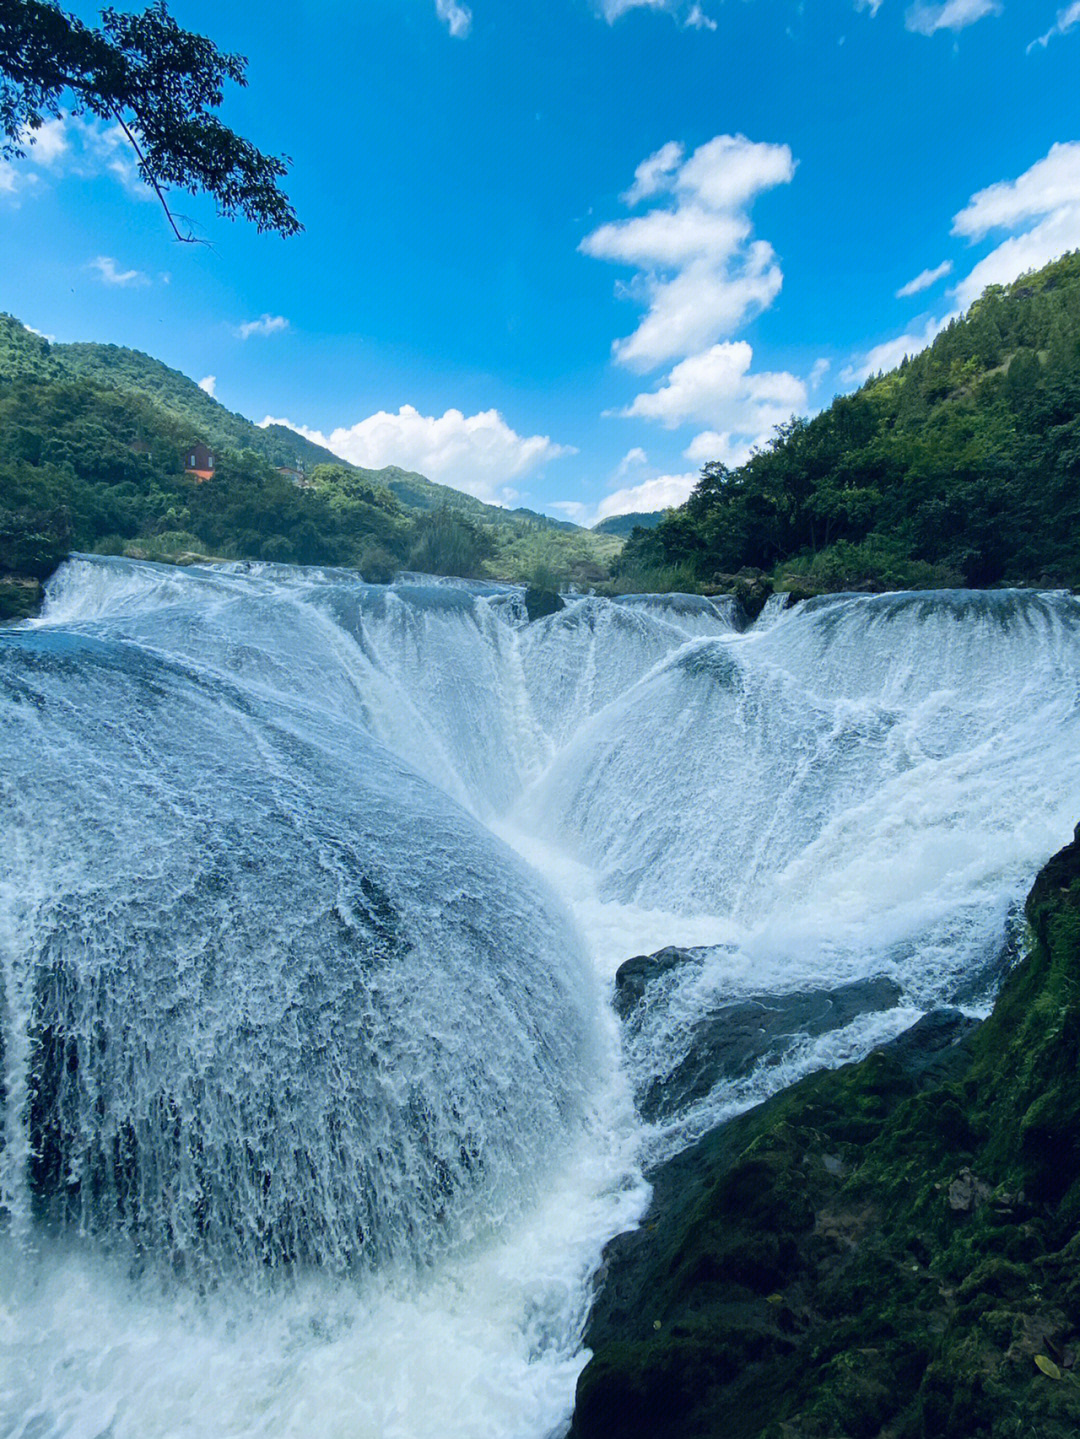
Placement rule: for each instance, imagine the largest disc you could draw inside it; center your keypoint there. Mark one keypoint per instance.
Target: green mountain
(625, 524)
(92, 447)
(962, 467)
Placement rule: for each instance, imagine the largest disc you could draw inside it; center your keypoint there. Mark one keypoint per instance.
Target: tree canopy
(962, 467)
(159, 83)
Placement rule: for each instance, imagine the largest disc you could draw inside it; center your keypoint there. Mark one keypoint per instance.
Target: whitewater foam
(263, 884)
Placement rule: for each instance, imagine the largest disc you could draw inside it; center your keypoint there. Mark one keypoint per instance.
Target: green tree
(159, 83)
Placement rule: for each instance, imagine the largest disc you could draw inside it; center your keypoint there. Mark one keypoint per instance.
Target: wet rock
(913, 1218)
(733, 1038)
(539, 603)
(968, 1192)
(930, 1049)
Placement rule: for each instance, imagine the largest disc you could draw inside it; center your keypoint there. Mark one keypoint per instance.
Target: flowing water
(315, 1113)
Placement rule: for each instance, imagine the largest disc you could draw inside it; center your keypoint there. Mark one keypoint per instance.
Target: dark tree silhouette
(159, 83)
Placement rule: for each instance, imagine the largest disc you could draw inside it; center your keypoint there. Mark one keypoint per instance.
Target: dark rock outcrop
(890, 1250)
(732, 1039)
(539, 603)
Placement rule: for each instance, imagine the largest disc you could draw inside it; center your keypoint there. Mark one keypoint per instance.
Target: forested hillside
(962, 467)
(92, 446)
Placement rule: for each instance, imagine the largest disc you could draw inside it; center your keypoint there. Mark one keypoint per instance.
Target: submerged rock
(731, 1039)
(885, 1249)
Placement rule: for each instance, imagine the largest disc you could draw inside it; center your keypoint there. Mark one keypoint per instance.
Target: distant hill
(92, 446)
(623, 524)
(210, 421)
(961, 467)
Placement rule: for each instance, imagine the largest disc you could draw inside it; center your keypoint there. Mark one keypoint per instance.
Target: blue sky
(562, 254)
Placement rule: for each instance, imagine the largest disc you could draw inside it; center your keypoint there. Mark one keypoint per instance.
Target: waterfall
(310, 896)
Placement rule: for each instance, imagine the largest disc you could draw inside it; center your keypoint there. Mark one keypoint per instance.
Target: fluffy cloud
(479, 453)
(926, 18)
(44, 147)
(1042, 204)
(658, 494)
(1066, 19)
(690, 16)
(661, 493)
(264, 325)
(924, 280)
(729, 449)
(47, 144)
(818, 372)
(718, 388)
(208, 384)
(699, 271)
(632, 460)
(73, 145)
(1049, 184)
(1055, 235)
(457, 18)
(887, 356)
(1041, 208)
(109, 274)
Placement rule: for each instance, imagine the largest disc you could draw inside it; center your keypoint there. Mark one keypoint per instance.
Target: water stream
(316, 1115)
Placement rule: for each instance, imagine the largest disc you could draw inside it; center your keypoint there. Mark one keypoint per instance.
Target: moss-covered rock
(20, 599)
(540, 602)
(880, 1252)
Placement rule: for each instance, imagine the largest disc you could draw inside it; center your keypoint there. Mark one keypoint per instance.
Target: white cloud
(926, 18)
(820, 369)
(107, 148)
(478, 453)
(872, 5)
(208, 384)
(44, 147)
(107, 269)
(655, 173)
(264, 325)
(924, 280)
(1049, 184)
(457, 18)
(41, 334)
(1066, 19)
(631, 461)
(699, 271)
(887, 356)
(717, 388)
(661, 493)
(690, 16)
(698, 20)
(47, 144)
(1047, 194)
(1041, 207)
(725, 447)
(1052, 237)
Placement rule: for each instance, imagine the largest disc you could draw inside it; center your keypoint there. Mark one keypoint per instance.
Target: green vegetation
(625, 524)
(885, 1251)
(92, 446)
(161, 85)
(962, 467)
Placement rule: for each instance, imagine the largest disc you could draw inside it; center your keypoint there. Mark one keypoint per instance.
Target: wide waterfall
(316, 1115)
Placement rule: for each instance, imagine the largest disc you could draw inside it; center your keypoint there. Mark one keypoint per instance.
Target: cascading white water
(282, 1004)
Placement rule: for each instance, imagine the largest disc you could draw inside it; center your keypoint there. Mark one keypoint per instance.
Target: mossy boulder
(541, 602)
(20, 599)
(882, 1251)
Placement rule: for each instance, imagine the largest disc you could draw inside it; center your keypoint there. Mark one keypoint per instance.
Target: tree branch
(147, 175)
